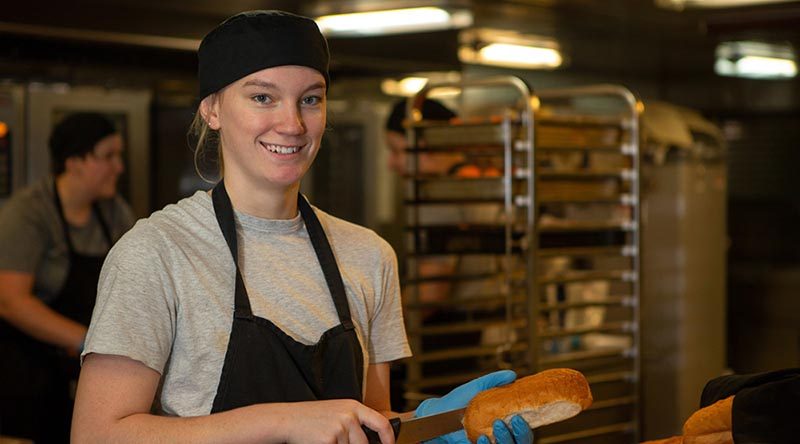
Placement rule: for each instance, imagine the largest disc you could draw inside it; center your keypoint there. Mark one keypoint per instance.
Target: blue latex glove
(460, 396)
(517, 432)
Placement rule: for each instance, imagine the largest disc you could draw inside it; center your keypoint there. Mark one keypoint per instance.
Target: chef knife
(414, 430)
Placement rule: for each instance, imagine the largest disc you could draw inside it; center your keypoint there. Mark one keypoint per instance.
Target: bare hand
(335, 421)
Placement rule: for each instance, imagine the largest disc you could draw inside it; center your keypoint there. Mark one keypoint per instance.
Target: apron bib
(264, 364)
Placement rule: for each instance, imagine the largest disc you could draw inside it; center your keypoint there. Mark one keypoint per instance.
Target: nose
(118, 164)
(291, 121)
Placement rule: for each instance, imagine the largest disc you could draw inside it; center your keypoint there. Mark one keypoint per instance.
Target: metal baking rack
(587, 256)
(541, 257)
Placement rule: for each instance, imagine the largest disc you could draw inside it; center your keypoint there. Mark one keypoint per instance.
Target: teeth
(282, 149)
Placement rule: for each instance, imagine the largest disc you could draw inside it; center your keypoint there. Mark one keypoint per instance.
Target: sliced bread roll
(544, 398)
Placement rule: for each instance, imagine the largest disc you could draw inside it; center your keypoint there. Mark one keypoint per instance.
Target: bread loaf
(544, 398)
(725, 437)
(709, 425)
(711, 419)
(672, 440)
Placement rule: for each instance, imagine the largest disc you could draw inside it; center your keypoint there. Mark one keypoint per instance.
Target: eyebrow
(263, 84)
(260, 83)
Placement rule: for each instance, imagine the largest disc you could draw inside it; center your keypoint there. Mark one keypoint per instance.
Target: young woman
(250, 315)
(54, 236)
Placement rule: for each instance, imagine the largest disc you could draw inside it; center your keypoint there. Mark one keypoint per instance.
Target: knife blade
(414, 430)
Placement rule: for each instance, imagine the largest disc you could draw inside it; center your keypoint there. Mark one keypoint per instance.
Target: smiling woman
(237, 301)
(252, 315)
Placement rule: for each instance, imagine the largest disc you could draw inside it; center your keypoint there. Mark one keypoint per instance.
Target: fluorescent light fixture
(393, 21)
(509, 53)
(409, 86)
(404, 87)
(755, 60)
(682, 4)
(508, 49)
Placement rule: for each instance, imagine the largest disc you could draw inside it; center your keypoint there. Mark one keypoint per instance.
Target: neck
(77, 203)
(263, 202)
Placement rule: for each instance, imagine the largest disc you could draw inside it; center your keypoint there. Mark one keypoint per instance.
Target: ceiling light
(681, 4)
(409, 86)
(756, 60)
(393, 21)
(405, 87)
(508, 49)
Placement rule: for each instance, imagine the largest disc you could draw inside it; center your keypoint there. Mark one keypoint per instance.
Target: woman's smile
(282, 149)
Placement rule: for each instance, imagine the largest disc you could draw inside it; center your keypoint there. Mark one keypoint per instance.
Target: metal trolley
(527, 257)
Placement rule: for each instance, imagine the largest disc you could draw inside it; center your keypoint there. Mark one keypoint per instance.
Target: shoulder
(186, 224)
(34, 202)
(352, 237)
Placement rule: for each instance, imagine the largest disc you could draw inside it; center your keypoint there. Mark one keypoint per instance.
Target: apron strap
(224, 213)
(326, 260)
(65, 226)
(103, 225)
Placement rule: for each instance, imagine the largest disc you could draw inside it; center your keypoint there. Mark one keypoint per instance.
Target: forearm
(261, 423)
(33, 317)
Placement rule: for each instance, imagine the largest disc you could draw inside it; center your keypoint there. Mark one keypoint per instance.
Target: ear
(209, 110)
(73, 163)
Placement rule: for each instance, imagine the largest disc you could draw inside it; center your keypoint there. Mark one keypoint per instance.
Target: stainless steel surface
(87, 35)
(684, 304)
(416, 430)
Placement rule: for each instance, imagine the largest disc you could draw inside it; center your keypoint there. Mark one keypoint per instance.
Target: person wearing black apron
(38, 376)
(246, 315)
(330, 369)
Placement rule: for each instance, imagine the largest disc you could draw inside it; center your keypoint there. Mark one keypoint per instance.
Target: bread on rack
(544, 398)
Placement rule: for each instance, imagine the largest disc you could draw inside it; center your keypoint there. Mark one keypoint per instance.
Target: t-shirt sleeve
(387, 330)
(23, 236)
(135, 312)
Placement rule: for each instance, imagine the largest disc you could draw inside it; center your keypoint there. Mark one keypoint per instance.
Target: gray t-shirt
(166, 294)
(32, 236)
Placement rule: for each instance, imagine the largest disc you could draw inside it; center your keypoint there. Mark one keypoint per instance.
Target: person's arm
(115, 394)
(20, 308)
(435, 291)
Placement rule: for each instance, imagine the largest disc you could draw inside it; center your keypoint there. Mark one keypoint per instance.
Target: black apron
(35, 377)
(264, 364)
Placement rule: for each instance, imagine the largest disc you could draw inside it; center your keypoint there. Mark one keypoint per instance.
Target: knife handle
(372, 436)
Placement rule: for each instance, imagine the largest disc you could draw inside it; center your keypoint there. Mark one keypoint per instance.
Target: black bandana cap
(254, 40)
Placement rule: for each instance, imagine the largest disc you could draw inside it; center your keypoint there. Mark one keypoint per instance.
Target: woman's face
(100, 168)
(271, 124)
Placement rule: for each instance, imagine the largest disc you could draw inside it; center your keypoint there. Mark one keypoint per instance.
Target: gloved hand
(460, 396)
(517, 433)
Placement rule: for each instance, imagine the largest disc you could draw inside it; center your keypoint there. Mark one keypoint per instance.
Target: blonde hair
(205, 143)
